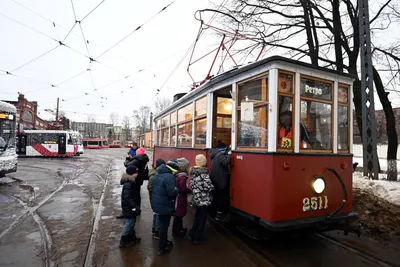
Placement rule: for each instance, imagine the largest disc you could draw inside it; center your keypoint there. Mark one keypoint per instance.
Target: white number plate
(315, 203)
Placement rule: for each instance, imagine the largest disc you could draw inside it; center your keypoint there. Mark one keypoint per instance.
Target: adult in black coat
(220, 177)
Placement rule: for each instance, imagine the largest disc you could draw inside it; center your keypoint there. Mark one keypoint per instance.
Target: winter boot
(126, 241)
(135, 238)
(121, 216)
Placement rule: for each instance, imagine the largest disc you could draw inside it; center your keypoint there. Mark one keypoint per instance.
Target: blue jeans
(129, 226)
(156, 222)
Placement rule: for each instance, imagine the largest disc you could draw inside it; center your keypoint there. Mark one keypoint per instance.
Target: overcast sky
(126, 76)
(156, 49)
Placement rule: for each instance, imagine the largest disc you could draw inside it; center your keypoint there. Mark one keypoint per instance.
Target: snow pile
(387, 190)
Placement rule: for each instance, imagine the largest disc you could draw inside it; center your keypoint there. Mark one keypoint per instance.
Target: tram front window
(7, 136)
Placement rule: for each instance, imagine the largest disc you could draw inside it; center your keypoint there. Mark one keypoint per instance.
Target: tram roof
(231, 73)
(7, 107)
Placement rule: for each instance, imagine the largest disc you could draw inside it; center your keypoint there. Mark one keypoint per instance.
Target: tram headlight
(319, 185)
(10, 116)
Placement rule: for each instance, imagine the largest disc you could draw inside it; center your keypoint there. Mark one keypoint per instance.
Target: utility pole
(58, 102)
(151, 129)
(370, 156)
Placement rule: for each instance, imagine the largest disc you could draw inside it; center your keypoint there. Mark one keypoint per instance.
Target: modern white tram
(48, 143)
(8, 157)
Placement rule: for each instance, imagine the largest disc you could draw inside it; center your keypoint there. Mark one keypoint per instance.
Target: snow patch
(387, 190)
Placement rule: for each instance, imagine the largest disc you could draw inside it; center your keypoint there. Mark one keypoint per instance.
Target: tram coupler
(350, 229)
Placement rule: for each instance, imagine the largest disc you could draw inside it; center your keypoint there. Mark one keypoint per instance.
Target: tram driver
(285, 133)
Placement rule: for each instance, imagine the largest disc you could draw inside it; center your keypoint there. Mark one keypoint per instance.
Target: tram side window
(343, 118)
(158, 126)
(316, 114)
(252, 113)
(173, 129)
(164, 131)
(200, 122)
(285, 106)
(185, 134)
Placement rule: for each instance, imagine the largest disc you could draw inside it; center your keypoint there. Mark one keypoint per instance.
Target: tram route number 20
(315, 203)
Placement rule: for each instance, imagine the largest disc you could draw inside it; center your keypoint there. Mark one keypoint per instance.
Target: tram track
(355, 250)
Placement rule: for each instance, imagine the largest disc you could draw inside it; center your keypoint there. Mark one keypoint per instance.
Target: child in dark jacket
(202, 197)
(129, 198)
(156, 224)
(181, 207)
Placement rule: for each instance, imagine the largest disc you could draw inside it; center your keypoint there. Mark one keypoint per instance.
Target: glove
(230, 152)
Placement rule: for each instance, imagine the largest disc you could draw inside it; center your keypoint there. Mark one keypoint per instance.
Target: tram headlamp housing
(11, 117)
(319, 185)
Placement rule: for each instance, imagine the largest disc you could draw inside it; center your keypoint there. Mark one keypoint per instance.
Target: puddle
(8, 217)
(106, 217)
(4, 198)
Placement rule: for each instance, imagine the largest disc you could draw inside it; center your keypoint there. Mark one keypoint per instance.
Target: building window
(200, 122)
(343, 118)
(316, 114)
(285, 108)
(252, 130)
(28, 117)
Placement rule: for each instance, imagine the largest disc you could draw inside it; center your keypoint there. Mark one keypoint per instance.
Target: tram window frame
(264, 77)
(173, 124)
(291, 95)
(197, 119)
(189, 107)
(322, 101)
(164, 128)
(347, 105)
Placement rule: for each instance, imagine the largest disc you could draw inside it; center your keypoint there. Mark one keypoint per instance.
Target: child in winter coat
(202, 188)
(181, 208)
(129, 206)
(155, 230)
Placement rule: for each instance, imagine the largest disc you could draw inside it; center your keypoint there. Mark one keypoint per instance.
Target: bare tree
(126, 124)
(141, 118)
(161, 103)
(114, 118)
(324, 32)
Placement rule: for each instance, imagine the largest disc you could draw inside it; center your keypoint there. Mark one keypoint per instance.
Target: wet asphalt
(61, 212)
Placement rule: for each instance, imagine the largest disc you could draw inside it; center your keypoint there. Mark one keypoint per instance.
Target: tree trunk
(390, 127)
(337, 27)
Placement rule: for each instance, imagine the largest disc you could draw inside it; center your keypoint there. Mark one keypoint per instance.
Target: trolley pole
(370, 156)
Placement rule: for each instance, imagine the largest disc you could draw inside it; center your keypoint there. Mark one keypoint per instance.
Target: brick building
(27, 115)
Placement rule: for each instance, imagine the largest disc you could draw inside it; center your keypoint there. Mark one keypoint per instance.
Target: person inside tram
(285, 133)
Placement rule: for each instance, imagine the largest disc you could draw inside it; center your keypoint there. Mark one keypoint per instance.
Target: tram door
(62, 144)
(21, 143)
(222, 117)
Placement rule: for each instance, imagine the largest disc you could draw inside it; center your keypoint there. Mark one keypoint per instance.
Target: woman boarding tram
(281, 117)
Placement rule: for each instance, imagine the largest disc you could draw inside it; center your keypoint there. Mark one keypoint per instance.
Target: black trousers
(199, 223)
(139, 199)
(222, 200)
(164, 224)
(177, 225)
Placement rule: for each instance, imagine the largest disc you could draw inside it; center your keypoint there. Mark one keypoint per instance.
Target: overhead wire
(135, 30)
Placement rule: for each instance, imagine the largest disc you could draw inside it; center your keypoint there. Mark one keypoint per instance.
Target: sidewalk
(221, 249)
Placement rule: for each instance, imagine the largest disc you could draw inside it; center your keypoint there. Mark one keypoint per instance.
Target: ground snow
(387, 190)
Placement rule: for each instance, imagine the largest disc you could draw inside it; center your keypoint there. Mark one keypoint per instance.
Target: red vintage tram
(280, 181)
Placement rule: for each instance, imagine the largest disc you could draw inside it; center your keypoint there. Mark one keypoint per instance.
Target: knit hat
(183, 164)
(172, 164)
(159, 162)
(140, 151)
(220, 146)
(132, 169)
(201, 160)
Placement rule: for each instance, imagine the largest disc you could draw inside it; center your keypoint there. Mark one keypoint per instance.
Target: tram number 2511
(315, 203)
